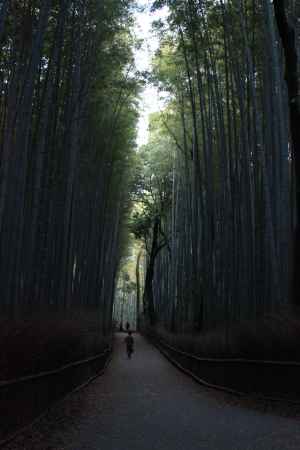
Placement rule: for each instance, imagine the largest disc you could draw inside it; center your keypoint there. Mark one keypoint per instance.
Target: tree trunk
(289, 44)
(138, 291)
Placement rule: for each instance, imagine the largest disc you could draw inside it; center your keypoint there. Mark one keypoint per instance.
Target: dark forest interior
(183, 220)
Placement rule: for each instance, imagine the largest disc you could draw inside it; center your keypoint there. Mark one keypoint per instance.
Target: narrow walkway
(147, 404)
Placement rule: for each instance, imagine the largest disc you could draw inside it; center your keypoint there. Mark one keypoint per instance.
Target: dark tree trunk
(289, 44)
(138, 289)
(148, 291)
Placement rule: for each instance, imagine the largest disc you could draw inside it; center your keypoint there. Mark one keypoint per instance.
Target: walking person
(129, 344)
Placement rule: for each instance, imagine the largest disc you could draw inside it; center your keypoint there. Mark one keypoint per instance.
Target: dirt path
(147, 404)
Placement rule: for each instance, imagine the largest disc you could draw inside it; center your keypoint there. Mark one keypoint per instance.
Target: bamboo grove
(216, 188)
(67, 132)
(218, 231)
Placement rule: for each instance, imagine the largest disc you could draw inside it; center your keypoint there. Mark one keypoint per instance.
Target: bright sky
(149, 98)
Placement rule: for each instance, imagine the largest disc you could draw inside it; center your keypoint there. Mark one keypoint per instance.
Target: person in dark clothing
(129, 344)
(127, 326)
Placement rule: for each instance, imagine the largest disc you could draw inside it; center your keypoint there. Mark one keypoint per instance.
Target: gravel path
(147, 404)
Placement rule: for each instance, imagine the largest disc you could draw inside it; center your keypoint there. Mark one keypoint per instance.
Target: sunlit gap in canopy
(151, 100)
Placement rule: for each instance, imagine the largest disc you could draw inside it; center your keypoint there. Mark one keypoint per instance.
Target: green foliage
(68, 115)
(152, 195)
(227, 138)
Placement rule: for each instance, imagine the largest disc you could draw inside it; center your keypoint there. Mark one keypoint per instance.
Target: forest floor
(147, 404)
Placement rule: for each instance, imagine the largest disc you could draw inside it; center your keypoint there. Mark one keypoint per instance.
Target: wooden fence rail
(25, 398)
(267, 379)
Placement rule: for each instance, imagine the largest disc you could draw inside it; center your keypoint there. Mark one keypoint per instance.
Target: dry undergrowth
(274, 337)
(44, 343)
